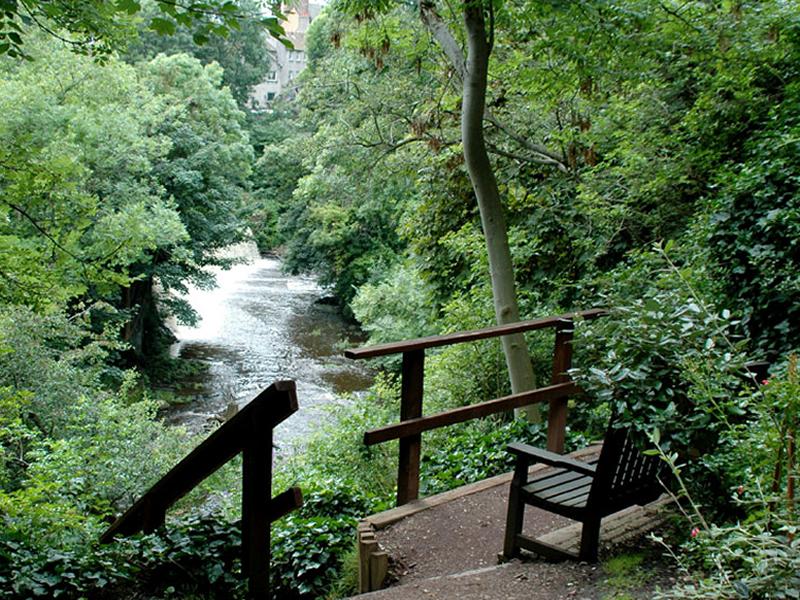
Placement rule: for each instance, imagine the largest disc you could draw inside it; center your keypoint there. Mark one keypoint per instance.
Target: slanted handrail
(412, 423)
(248, 432)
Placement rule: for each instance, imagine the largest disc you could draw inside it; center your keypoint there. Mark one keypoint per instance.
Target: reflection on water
(260, 325)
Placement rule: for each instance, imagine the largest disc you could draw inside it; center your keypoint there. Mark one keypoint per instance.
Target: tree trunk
(487, 194)
(136, 298)
(145, 331)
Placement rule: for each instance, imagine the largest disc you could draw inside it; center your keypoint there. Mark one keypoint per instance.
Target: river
(260, 325)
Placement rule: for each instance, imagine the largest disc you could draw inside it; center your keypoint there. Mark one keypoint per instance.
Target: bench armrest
(531, 454)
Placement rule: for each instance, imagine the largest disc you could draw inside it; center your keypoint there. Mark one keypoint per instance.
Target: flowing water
(260, 325)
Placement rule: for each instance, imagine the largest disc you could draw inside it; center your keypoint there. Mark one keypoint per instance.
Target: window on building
(272, 76)
(292, 75)
(270, 96)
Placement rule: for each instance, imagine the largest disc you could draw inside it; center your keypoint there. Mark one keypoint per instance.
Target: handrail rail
(460, 337)
(412, 423)
(467, 413)
(248, 432)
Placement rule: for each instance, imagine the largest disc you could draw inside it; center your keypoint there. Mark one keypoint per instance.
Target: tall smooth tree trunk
(484, 183)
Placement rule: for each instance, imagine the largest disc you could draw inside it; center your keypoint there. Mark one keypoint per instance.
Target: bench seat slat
(553, 493)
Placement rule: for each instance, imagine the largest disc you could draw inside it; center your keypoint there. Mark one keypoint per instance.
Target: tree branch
(41, 229)
(545, 155)
(537, 159)
(390, 148)
(441, 33)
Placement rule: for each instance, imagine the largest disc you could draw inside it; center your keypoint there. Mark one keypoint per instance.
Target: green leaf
(162, 26)
(129, 6)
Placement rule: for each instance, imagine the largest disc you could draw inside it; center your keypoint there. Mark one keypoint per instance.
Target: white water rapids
(260, 325)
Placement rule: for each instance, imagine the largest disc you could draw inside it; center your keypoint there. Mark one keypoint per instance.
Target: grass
(624, 575)
(347, 583)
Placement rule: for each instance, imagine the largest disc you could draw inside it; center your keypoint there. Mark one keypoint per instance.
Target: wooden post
(410, 408)
(562, 362)
(153, 517)
(256, 497)
(364, 535)
(378, 569)
(366, 546)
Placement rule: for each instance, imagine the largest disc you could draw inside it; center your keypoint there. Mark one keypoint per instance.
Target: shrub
(668, 358)
(759, 555)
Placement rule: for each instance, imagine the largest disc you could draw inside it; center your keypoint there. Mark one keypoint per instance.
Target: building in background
(286, 64)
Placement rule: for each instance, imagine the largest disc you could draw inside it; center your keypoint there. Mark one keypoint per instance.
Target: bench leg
(516, 512)
(590, 540)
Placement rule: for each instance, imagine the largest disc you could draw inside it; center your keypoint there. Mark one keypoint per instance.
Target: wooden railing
(412, 423)
(248, 432)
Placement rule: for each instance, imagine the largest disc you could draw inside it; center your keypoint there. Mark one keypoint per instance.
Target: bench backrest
(624, 476)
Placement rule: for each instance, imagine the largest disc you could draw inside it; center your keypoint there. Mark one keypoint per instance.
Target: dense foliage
(99, 27)
(647, 154)
(242, 52)
(112, 177)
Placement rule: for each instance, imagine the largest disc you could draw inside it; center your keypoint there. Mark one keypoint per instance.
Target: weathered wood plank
(378, 569)
(616, 528)
(469, 336)
(562, 362)
(412, 427)
(548, 551)
(367, 546)
(410, 408)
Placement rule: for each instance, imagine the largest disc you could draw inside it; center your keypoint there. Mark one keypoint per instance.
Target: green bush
(309, 545)
(307, 554)
(758, 555)
(669, 360)
(192, 555)
(740, 561)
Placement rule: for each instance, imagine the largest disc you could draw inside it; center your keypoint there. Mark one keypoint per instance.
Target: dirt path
(462, 535)
(450, 550)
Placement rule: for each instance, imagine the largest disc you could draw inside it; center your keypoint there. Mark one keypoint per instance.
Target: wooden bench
(621, 477)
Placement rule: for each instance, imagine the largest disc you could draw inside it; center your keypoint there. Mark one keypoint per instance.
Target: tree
(474, 75)
(472, 72)
(242, 53)
(112, 178)
(99, 27)
(204, 174)
(78, 206)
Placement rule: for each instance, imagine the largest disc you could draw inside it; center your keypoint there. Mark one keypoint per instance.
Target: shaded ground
(539, 580)
(451, 551)
(461, 535)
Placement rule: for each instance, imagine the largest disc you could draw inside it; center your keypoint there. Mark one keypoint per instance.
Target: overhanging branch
(544, 155)
(441, 33)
